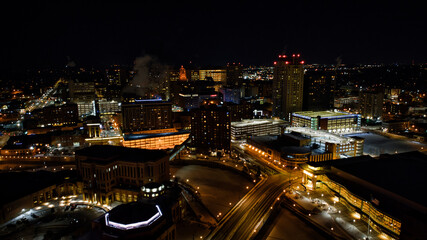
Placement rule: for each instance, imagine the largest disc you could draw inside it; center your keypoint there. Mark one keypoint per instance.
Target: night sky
(213, 33)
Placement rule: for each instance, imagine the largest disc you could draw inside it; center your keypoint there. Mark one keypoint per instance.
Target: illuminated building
(346, 102)
(109, 107)
(81, 90)
(384, 192)
(135, 220)
(94, 130)
(112, 173)
(288, 85)
(164, 140)
(335, 122)
(218, 75)
(182, 74)
(371, 104)
(339, 146)
(87, 108)
(146, 114)
(53, 115)
(286, 150)
(210, 127)
(255, 127)
(152, 217)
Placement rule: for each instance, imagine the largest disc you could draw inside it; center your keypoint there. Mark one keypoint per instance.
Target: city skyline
(213, 120)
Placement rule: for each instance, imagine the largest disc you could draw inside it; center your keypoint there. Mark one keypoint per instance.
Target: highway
(245, 219)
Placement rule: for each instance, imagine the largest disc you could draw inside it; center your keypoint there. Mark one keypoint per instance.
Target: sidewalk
(321, 208)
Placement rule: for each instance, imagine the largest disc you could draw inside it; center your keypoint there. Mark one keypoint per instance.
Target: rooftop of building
(107, 153)
(295, 135)
(401, 174)
(252, 122)
(154, 101)
(322, 114)
(16, 185)
(295, 150)
(134, 212)
(282, 145)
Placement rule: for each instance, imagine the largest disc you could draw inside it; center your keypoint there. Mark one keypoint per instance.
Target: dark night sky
(214, 33)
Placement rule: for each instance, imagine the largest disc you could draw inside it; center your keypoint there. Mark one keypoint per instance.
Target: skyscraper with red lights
(288, 85)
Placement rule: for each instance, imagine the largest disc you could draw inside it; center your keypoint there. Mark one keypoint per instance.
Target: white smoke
(150, 76)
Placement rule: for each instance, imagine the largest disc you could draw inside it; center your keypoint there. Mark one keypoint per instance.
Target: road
(266, 168)
(248, 216)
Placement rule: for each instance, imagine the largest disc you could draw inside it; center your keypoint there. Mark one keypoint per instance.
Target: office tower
(210, 127)
(234, 74)
(149, 114)
(371, 104)
(287, 85)
(318, 91)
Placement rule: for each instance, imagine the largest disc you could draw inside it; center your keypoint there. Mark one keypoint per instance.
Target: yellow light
(356, 215)
(307, 173)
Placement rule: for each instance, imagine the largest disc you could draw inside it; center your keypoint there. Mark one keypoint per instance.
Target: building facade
(318, 91)
(156, 141)
(288, 84)
(335, 122)
(210, 127)
(371, 104)
(255, 127)
(112, 173)
(146, 115)
(377, 190)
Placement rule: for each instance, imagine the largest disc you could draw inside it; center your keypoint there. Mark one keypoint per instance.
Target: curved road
(248, 216)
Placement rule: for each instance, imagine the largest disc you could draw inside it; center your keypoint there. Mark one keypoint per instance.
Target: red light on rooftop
(286, 62)
(302, 62)
(275, 63)
(280, 56)
(284, 56)
(298, 55)
(293, 55)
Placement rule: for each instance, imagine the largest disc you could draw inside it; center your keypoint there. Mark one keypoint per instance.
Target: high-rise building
(210, 127)
(371, 104)
(146, 114)
(234, 74)
(318, 91)
(288, 84)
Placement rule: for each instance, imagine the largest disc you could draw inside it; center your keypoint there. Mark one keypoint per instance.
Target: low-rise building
(25, 190)
(112, 173)
(395, 126)
(384, 191)
(255, 127)
(279, 150)
(162, 140)
(335, 122)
